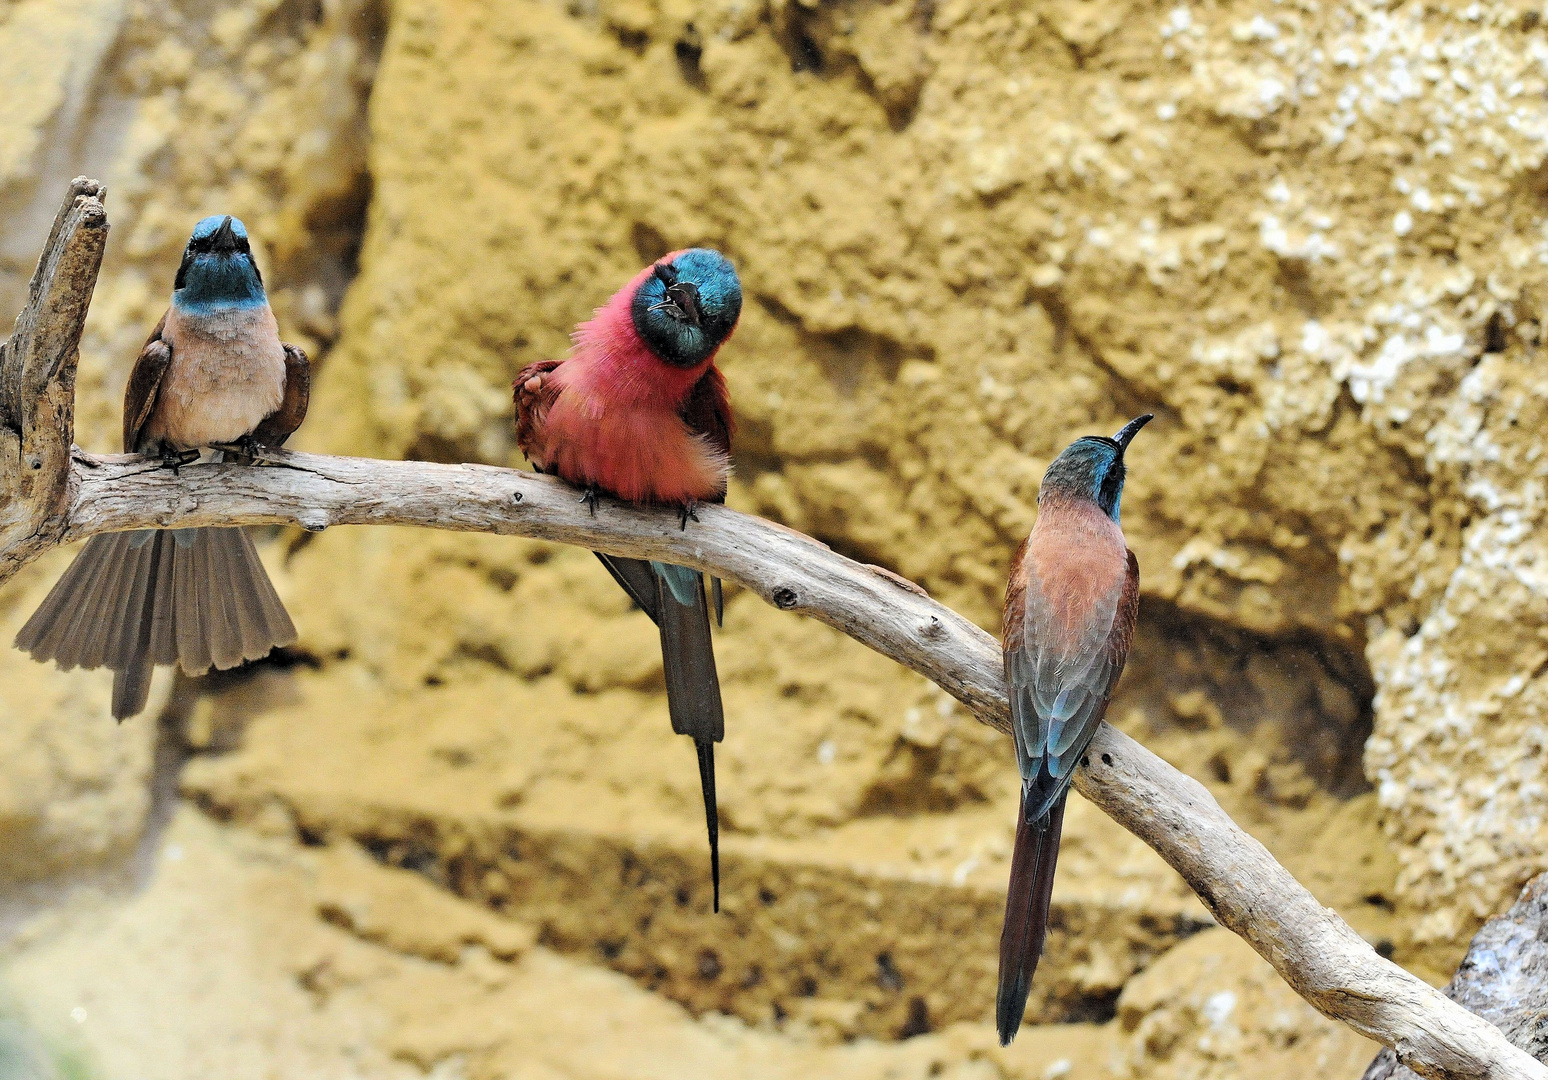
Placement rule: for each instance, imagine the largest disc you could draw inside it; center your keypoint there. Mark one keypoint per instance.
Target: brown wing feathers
(534, 394)
(707, 410)
(278, 425)
(1046, 765)
(144, 383)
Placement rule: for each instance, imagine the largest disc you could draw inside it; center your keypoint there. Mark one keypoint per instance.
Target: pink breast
(638, 454)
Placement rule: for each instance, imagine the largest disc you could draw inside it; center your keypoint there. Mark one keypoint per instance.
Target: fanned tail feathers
(195, 597)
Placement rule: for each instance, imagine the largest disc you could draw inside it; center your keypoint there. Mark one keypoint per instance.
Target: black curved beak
(224, 239)
(681, 299)
(1128, 431)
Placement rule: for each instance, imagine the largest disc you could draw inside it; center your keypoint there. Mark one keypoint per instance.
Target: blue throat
(218, 271)
(213, 281)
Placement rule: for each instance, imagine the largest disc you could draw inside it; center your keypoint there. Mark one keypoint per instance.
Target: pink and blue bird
(639, 410)
(1070, 608)
(214, 372)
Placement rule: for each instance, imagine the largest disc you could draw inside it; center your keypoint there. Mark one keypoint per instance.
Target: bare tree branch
(1310, 946)
(1503, 978)
(37, 379)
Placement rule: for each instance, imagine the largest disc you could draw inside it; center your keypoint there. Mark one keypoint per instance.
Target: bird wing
(532, 405)
(275, 428)
(144, 383)
(637, 579)
(707, 410)
(1060, 682)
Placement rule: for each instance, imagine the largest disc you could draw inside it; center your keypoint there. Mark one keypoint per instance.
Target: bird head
(218, 268)
(688, 306)
(1092, 467)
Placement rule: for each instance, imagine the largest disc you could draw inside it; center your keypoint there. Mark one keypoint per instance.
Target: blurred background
(449, 834)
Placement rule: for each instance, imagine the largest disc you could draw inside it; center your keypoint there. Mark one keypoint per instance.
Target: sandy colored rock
(1212, 1004)
(226, 942)
(1500, 979)
(407, 913)
(1308, 237)
(1290, 250)
(75, 790)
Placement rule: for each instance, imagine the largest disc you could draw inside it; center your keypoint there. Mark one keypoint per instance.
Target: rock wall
(1308, 235)
(257, 110)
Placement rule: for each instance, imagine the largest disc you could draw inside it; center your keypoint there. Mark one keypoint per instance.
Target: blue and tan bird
(213, 372)
(1070, 608)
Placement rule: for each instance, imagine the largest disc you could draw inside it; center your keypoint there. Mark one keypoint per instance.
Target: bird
(1070, 607)
(213, 373)
(638, 410)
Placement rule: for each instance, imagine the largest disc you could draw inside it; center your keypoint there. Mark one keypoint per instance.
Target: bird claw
(688, 510)
(592, 498)
(245, 449)
(176, 459)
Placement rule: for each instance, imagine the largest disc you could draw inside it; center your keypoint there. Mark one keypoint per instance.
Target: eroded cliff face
(1309, 236)
(255, 109)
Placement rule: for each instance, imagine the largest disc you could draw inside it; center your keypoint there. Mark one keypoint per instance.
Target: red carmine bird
(1070, 608)
(639, 411)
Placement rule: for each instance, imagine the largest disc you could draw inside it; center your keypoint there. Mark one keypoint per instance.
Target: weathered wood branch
(37, 379)
(1309, 945)
(1503, 978)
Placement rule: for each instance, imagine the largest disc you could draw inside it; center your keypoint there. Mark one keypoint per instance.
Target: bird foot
(688, 510)
(176, 459)
(247, 448)
(592, 498)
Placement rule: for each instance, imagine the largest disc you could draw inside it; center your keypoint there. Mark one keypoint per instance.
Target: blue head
(218, 268)
(1092, 467)
(688, 306)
